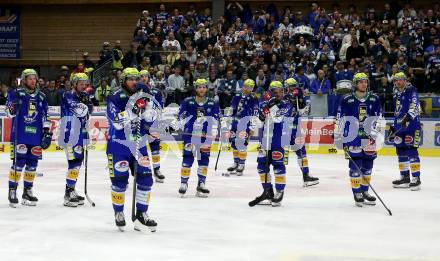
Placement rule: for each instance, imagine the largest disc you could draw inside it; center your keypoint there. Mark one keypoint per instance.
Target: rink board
(318, 134)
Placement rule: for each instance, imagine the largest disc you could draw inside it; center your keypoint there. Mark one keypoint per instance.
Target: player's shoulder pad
(374, 97)
(211, 101)
(349, 98)
(188, 101)
(41, 94)
(20, 91)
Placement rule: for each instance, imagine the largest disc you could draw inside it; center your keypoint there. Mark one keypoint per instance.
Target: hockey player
(296, 97)
(30, 134)
(76, 107)
(125, 128)
(154, 137)
(273, 112)
(244, 107)
(197, 116)
(361, 148)
(406, 131)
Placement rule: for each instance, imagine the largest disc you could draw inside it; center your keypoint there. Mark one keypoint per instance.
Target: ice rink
(316, 223)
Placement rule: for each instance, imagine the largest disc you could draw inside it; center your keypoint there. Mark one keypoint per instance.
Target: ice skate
(143, 223)
(28, 198)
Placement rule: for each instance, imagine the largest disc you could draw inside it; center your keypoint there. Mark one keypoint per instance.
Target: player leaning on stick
(244, 108)
(197, 116)
(30, 134)
(405, 132)
(76, 107)
(274, 113)
(357, 110)
(127, 125)
(296, 97)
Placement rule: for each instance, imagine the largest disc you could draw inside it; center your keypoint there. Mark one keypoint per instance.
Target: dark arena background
(268, 60)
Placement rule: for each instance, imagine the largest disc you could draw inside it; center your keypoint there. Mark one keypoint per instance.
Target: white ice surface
(316, 223)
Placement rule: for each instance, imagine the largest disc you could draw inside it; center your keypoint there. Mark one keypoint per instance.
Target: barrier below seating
(318, 134)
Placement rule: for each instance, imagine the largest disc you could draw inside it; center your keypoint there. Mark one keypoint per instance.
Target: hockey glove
(405, 121)
(139, 106)
(391, 134)
(46, 139)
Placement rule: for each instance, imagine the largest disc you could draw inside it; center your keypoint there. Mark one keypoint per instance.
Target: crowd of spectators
(318, 48)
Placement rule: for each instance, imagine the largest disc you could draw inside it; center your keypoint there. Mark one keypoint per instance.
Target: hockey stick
(219, 149)
(135, 167)
(369, 184)
(85, 176)
(14, 161)
(218, 154)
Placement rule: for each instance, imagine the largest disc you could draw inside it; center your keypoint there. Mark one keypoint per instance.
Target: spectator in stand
(385, 93)
(171, 44)
(233, 11)
(162, 15)
(182, 62)
(342, 73)
(52, 94)
(176, 85)
(355, 51)
(105, 54)
(319, 88)
(67, 86)
(102, 92)
(321, 85)
(132, 58)
(4, 91)
(159, 82)
(303, 81)
(41, 83)
(117, 56)
(65, 71)
(227, 89)
(87, 62)
(200, 71)
(191, 56)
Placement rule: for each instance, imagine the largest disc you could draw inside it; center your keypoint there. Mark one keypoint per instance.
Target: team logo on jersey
(36, 151)
(408, 139)
(122, 166)
(32, 112)
(21, 148)
(200, 113)
(144, 161)
(78, 149)
(362, 112)
(397, 140)
(277, 155)
(30, 129)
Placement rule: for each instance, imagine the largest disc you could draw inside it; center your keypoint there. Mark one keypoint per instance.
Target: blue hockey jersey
(30, 110)
(281, 116)
(121, 120)
(199, 119)
(75, 128)
(244, 105)
(407, 102)
(361, 109)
